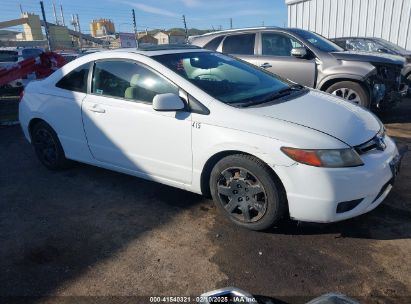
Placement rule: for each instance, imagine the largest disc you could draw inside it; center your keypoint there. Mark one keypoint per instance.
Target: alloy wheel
(242, 195)
(349, 94)
(45, 146)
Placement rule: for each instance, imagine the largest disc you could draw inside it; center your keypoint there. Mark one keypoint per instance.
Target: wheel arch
(33, 122)
(329, 82)
(214, 159)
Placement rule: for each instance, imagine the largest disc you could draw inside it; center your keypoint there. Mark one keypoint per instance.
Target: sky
(151, 14)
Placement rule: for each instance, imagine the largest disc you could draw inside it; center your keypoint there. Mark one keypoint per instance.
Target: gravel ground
(91, 232)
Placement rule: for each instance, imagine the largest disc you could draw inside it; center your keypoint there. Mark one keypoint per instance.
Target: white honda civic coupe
(261, 146)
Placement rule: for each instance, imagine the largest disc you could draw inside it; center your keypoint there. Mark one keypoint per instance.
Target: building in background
(6, 35)
(176, 37)
(387, 19)
(146, 39)
(172, 37)
(102, 27)
(32, 27)
(60, 37)
(162, 37)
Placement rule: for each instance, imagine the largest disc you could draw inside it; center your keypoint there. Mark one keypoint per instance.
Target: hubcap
(242, 195)
(45, 146)
(348, 94)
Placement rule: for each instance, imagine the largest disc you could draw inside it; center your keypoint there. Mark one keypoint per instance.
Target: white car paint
(174, 147)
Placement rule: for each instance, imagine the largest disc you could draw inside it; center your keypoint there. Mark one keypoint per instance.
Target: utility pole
(80, 40)
(55, 15)
(185, 28)
(231, 23)
(46, 27)
(62, 15)
(135, 27)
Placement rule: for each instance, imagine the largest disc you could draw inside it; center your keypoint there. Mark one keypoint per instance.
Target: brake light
(21, 96)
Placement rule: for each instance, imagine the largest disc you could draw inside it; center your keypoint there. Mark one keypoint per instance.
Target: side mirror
(385, 51)
(299, 52)
(168, 102)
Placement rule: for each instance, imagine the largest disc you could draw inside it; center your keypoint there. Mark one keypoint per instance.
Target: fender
(342, 76)
(406, 70)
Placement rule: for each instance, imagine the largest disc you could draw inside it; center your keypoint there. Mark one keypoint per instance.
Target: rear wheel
(48, 147)
(351, 91)
(245, 191)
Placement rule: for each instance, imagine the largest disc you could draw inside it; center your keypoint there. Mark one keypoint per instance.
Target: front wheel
(246, 192)
(351, 91)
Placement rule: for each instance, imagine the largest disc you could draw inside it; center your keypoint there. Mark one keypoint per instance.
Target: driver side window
(276, 44)
(129, 80)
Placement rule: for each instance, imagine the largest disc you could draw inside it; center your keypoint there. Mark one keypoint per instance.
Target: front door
(275, 56)
(124, 130)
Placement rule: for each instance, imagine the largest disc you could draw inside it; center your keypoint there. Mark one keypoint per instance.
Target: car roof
(161, 49)
(354, 37)
(239, 30)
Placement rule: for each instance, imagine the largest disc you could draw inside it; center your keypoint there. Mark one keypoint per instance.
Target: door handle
(266, 65)
(97, 109)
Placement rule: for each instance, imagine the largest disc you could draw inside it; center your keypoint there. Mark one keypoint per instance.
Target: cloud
(191, 3)
(250, 13)
(151, 9)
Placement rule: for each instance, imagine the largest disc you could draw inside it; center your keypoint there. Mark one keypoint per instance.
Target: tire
(246, 192)
(48, 147)
(352, 91)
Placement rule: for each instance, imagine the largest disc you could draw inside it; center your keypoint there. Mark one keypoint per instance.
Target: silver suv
(312, 60)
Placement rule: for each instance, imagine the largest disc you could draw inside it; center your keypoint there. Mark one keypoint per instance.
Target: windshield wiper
(273, 96)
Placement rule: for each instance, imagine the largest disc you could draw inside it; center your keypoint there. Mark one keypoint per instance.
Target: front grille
(375, 143)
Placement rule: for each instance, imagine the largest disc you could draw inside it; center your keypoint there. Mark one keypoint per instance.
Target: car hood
(326, 113)
(369, 57)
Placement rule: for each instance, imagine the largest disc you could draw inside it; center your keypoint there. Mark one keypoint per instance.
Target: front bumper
(314, 194)
(387, 86)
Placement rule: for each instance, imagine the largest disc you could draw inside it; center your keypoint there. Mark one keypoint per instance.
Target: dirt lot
(92, 232)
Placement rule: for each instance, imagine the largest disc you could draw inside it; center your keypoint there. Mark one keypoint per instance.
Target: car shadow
(400, 114)
(386, 222)
(56, 225)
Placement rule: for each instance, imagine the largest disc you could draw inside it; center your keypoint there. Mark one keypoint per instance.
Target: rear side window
(8, 56)
(129, 80)
(214, 43)
(30, 53)
(239, 44)
(76, 80)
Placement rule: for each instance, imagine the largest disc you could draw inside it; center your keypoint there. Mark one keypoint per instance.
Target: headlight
(337, 158)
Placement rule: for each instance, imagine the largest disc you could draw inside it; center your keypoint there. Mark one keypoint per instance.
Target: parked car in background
(11, 56)
(311, 60)
(262, 146)
(377, 45)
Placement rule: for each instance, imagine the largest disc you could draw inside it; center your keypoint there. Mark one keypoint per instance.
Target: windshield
(318, 41)
(391, 46)
(223, 77)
